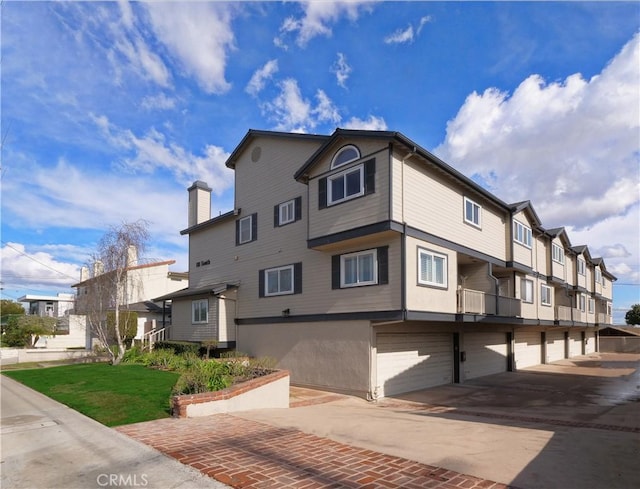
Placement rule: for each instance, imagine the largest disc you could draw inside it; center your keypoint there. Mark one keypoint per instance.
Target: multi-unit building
(363, 263)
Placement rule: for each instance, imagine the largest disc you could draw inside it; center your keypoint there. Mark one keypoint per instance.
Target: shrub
(203, 376)
(178, 347)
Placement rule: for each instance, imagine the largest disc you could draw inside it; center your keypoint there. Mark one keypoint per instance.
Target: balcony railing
(603, 318)
(478, 302)
(563, 313)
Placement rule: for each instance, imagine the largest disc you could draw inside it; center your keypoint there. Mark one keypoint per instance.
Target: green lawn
(112, 395)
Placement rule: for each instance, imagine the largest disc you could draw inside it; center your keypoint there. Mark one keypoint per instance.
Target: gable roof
(528, 208)
(559, 233)
(135, 267)
(394, 137)
(254, 133)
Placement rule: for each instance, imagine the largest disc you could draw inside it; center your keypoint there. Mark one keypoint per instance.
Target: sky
(111, 110)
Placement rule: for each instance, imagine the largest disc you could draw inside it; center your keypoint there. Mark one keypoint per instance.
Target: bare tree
(110, 288)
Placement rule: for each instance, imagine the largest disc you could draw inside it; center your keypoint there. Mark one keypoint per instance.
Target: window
(545, 295)
(526, 290)
(432, 268)
(287, 212)
(472, 212)
(200, 311)
(367, 267)
(359, 269)
(345, 155)
(582, 266)
(247, 229)
(283, 280)
(348, 184)
(557, 253)
(521, 234)
(279, 281)
(599, 276)
(592, 306)
(581, 302)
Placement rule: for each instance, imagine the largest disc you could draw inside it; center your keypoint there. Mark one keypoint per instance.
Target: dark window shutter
(261, 283)
(254, 226)
(322, 193)
(335, 272)
(297, 278)
(383, 265)
(298, 206)
(237, 232)
(276, 216)
(369, 177)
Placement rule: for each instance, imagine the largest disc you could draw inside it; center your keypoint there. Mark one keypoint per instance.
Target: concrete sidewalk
(46, 445)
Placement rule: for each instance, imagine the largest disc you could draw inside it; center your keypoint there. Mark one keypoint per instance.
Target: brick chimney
(199, 203)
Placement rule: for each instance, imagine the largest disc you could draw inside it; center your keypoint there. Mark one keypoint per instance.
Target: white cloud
(152, 152)
(199, 36)
(36, 269)
(325, 110)
(261, 75)
(402, 36)
(158, 102)
(570, 146)
(342, 70)
(317, 19)
(372, 123)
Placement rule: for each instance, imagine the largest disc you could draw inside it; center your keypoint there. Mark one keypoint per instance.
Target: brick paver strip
(251, 455)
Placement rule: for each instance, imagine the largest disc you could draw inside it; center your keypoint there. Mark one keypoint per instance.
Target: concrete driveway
(573, 424)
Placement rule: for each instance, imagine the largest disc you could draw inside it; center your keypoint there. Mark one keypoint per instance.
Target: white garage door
(555, 346)
(590, 346)
(486, 354)
(528, 349)
(575, 343)
(408, 362)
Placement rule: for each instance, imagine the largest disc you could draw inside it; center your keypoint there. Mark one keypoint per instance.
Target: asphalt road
(46, 445)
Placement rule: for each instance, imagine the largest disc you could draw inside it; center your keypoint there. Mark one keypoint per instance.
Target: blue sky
(110, 110)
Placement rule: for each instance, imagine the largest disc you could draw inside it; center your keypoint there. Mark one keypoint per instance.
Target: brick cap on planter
(179, 403)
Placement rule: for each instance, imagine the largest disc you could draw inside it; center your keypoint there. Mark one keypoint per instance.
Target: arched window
(345, 155)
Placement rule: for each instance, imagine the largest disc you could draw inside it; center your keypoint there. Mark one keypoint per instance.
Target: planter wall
(268, 391)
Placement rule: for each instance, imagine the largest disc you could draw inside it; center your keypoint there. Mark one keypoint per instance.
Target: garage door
(528, 349)
(590, 346)
(575, 343)
(555, 346)
(409, 362)
(486, 354)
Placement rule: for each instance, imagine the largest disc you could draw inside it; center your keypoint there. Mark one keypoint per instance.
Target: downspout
(403, 251)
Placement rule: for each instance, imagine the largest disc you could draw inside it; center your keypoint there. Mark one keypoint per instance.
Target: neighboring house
(620, 339)
(363, 263)
(71, 331)
(144, 282)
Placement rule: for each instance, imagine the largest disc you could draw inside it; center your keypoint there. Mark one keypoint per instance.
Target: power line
(37, 261)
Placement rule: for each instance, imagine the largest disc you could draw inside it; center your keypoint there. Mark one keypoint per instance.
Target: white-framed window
(522, 234)
(609, 309)
(581, 302)
(526, 290)
(557, 253)
(278, 281)
(582, 267)
(599, 276)
(472, 213)
(592, 306)
(246, 229)
(345, 155)
(359, 268)
(545, 295)
(200, 311)
(287, 212)
(345, 185)
(432, 268)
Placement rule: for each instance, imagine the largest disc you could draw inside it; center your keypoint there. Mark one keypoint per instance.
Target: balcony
(604, 318)
(478, 302)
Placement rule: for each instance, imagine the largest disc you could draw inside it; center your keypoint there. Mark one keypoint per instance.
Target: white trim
(358, 283)
(278, 270)
(343, 175)
(248, 219)
(342, 150)
(196, 306)
(526, 290)
(545, 293)
(289, 207)
(557, 253)
(476, 213)
(434, 257)
(526, 239)
(581, 265)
